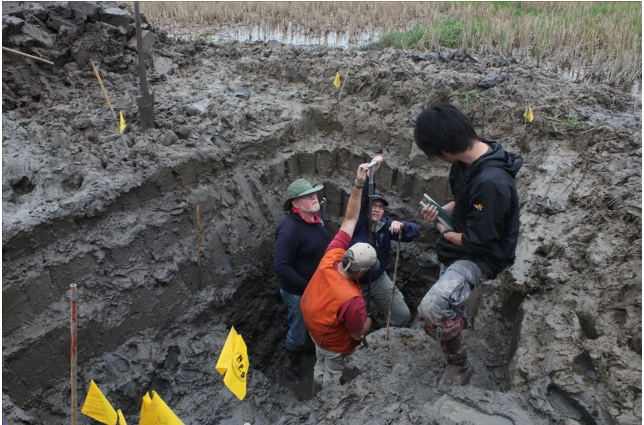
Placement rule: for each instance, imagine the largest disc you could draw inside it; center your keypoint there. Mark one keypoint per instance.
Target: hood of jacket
(499, 158)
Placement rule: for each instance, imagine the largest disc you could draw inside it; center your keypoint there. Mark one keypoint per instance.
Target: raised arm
(353, 206)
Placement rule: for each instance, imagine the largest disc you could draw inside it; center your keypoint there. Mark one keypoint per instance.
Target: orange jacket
(326, 292)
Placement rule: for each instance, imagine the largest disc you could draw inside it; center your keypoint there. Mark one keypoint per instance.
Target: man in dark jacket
(485, 215)
(378, 286)
(300, 243)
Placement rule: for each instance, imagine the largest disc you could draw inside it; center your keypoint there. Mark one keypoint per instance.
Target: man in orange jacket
(332, 304)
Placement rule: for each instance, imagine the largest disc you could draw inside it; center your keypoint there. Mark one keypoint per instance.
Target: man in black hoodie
(485, 215)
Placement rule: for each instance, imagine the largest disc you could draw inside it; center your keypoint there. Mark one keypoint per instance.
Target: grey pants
(328, 367)
(380, 294)
(449, 295)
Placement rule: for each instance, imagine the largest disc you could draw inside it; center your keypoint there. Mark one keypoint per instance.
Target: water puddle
(286, 35)
(460, 413)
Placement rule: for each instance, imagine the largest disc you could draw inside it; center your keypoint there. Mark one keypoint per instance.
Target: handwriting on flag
(528, 114)
(336, 82)
(97, 407)
(233, 362)
(154, 411)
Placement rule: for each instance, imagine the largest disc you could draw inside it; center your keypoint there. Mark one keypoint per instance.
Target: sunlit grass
(600, 41)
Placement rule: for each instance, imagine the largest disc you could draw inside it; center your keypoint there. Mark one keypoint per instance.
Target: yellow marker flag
(122, 122)
(154, 411)
(97, 407)
(233, 361)
(528, 114)
(336, 82)
(121, 418)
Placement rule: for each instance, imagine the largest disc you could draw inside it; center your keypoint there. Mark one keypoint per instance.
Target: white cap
(360, 256)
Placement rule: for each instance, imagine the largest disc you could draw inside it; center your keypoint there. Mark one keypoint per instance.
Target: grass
(598, 41)
(466, 97)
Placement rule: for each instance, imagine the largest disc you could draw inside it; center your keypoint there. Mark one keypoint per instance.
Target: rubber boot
(291, 366)
(449, 334)
(309, 346)
(316, 388)
(458, 370)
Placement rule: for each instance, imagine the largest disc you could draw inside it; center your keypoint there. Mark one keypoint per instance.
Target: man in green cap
(300, 242)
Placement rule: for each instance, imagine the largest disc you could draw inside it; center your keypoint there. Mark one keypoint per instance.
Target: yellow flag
(154, 411)
(122, 124)
(336, 82)
(233, 361)
(97, 407)
(121, 418)
(528, 114)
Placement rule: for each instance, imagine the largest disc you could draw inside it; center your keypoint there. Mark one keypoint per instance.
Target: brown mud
(558, 335)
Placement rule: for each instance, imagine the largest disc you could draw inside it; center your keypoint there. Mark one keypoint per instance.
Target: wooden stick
(98, 77)
(393, 288)
(198, 237)
(74, 350)
(345, 81)
(6, 49)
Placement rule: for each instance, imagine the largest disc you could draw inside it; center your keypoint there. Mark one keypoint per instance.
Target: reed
(600, 41)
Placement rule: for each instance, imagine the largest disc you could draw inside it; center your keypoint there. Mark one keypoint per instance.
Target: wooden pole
(74, 349)
(6, 49)
(145, 102)
(344, 82)
(98, 77)
(198, 237)
(372, 182)
(393, 288)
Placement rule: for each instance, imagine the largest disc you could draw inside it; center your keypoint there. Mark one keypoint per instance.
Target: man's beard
(315, 207)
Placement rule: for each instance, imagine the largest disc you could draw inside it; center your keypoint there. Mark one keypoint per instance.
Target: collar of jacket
(379, 225)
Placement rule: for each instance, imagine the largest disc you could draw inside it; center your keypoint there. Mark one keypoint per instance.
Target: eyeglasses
(378, 207)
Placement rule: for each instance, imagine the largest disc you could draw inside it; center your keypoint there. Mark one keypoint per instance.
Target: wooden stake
(6, 49)
(198, 238)
(393, 288)
(344, 82)
(74, 351)
(98, 77)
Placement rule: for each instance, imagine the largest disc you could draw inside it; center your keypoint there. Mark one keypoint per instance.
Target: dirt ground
(558, 336)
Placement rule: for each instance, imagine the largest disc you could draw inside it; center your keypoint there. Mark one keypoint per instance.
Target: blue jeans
(296, 336)
(448, 297)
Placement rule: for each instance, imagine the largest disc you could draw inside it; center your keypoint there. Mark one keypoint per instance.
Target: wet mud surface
(558, 335)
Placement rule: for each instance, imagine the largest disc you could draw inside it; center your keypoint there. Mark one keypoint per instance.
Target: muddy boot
(309, 346)
(291, 365)
(316, 389)
(458, 370)
(449, 334)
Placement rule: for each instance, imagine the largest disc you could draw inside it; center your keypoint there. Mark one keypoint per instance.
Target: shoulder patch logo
(478, 207)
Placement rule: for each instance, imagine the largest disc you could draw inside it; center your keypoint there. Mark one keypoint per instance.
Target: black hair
(443, 128)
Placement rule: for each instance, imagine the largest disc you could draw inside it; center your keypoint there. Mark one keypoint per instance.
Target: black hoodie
(486, 211)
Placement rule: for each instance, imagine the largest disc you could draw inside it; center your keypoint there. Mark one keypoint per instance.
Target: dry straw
(603, 39)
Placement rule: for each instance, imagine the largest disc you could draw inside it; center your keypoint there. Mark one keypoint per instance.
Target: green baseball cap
(299, 188)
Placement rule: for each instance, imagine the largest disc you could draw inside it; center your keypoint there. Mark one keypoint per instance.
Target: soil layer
(169, 232)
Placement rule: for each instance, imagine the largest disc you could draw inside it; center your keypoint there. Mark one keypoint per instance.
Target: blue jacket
(299, 247)
(381, 238)
(486, 211)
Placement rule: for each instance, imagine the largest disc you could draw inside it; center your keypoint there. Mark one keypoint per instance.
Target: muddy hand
(375, 163)
(361, 175)
(396, 226)
(429, 213)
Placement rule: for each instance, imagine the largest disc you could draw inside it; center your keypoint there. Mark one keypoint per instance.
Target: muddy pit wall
(582, 283)
(135, 261)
